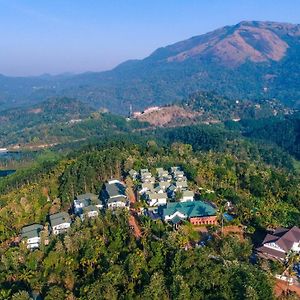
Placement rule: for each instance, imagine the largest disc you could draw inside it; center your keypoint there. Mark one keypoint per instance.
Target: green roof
(190, 209)
(176, 220)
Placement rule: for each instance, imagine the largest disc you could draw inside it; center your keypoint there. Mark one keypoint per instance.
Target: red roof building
(278, 244)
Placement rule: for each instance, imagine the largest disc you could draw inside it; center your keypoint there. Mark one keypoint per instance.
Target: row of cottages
(196, 212)
(280, 243)
(166, 186)
(146, 176)
(88, 205)
(31, 234)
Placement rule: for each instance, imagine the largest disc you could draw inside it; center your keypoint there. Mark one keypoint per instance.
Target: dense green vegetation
(283, 132)
(102, 260)
(58, 120)
(215, 107)
(221, 139)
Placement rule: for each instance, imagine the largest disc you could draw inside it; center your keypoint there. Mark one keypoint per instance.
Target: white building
(157, 199)
(187, 196)
(31, 235)
(85, 200)
(60, 222)
(114, 194)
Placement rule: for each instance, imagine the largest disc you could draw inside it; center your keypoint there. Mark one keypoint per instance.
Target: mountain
(251, 60)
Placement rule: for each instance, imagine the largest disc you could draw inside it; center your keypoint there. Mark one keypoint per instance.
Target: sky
(58, 36)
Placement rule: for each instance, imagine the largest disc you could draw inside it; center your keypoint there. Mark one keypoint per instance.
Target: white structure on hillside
(31, 235)
(60, 222)
(114, 194)
(157, 199)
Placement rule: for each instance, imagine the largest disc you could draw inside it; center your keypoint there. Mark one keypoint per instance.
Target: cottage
(174, 169)
(146, 186)
(90, 211)
(181, 179)
(114, 194)
(165, 178)
(181, 185)
(144, 173)
(178, 174)
(162, 187)
(161, 172)
(133, 174)
(157, 199)
(187, 196)
(60, 222)
(197, 212)
(86, 200)
(278, 244)
(31, 235)
(148, 179)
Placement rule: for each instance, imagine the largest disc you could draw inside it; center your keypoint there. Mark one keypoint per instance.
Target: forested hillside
(58, 120)
(281, 131)
(208, 107)
(102, 257)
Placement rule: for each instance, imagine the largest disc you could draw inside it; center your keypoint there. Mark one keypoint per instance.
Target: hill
(209, 108)
(56, 121)
(282, 131)
(250, 60)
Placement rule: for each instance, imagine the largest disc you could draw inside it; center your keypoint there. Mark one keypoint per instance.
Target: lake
(4, 173)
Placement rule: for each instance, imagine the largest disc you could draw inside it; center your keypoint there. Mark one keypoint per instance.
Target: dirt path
(232, 229)
(133, 218)
(281, 287)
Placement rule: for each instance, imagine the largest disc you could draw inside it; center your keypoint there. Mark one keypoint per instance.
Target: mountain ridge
(251, 60)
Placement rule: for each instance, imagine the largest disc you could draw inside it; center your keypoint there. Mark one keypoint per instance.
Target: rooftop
(117, 199)
(190, 209)
(187, 194)
(87, 199)
(284, 238)
(59, 218)
(31, 231)
(90, 208)
(115, 189)
(158, 196)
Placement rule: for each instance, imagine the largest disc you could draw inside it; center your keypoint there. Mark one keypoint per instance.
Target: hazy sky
(55, 36)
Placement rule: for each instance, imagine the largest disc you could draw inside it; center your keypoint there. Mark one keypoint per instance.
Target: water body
(4, 173)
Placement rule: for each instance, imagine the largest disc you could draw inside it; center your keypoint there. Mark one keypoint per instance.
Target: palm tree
(221, 217)
(5, 294)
